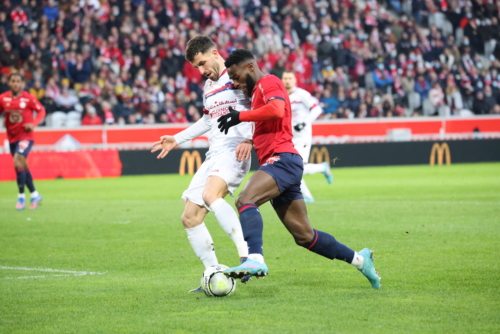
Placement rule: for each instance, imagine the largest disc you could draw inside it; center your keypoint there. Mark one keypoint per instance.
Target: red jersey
(18, 112)
(272, 136)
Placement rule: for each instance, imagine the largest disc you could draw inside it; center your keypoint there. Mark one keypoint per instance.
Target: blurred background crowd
(121, 61)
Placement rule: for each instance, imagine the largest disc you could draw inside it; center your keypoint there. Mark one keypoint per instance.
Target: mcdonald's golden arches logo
(193, 161)
(442, 151)
(318, 155)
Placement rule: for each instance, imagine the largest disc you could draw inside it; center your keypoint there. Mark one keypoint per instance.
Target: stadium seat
(414, 101)
(74, 119)
(58, 119)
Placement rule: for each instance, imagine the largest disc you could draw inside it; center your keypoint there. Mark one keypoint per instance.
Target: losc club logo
(319, 155)
(272, 160)
(442, 151)
(192, 160)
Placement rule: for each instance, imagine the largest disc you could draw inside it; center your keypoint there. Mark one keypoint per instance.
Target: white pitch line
(73, 272)
(24, 277)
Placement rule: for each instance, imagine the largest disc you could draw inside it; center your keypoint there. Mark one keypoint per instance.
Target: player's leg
(213, 195)
(35, 197)
(294, 216)
(259, 189)
(304, 150)
(310, 168)
(194, 213)
(197, 233)
(19, 165)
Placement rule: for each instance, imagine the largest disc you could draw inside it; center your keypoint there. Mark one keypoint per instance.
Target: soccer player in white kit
(227, 160)
(305, 110)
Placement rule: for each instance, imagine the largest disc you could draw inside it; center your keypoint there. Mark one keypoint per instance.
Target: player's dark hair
(198, 44)
(238, 56)
(13, 74)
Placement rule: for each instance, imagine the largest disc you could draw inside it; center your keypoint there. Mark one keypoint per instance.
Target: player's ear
(215, 54)
(250, 67)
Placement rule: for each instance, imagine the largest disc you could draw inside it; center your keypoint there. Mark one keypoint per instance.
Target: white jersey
(217, 97)
(305, 109)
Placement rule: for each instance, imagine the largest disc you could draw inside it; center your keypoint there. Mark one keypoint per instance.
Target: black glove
(229, 120)
(299, 127)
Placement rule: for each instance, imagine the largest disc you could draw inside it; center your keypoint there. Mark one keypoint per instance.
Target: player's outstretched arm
(166, 144)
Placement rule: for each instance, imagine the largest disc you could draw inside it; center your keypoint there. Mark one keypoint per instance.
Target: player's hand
(244, 150)
(299, 127)
(166, 144)
(229, 120)
(29, 127)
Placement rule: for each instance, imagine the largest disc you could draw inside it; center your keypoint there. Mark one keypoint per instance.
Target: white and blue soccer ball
(215, 284)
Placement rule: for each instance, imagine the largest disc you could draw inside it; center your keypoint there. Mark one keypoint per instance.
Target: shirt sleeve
(37, 107)
(194, 131)
(314, 108)
(272, 91)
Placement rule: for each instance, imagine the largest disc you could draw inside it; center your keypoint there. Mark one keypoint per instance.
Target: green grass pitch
(122, 262)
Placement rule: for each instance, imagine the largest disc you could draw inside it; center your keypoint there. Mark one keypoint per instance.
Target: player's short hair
(289, 72)
(198, 44)
(238, 56)
(14, 74)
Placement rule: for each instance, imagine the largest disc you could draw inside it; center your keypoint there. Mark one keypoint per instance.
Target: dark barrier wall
(341, 155)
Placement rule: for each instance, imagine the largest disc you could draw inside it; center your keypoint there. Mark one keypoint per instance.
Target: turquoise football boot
(249, 267)
(328, 173)
(368, 268)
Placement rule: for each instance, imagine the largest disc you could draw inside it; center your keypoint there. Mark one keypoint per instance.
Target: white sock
(357, 261)
(34, 194)
(313, 168)
(304, 190)
(21, 195)
(202, 244)
(230, 223)
(256, 257)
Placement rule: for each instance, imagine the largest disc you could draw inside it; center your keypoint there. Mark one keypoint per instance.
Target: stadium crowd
(121, 61)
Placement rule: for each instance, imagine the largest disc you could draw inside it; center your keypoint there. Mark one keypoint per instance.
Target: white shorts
(303, 146)
(224, 165)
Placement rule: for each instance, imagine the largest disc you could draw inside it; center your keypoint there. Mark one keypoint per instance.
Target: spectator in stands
(329, 104)
(480, 105)
(137, 45)
(422, 87)
(91, 117)
(4, 85)
(48, 103)
(66, 101)
(382, 77)
(436, 96)
(496, 109)
(489, 98)
(37, 90)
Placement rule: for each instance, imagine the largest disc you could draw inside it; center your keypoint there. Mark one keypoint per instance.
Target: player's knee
(303, 239)
(19, 162)
(209, 197)
(242, 199)
(189, 221)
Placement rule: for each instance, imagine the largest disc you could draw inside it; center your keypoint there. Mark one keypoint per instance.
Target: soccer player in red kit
(18, 107)
(278, 178)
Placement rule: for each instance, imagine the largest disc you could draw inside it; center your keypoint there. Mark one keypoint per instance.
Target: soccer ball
(215, 284)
